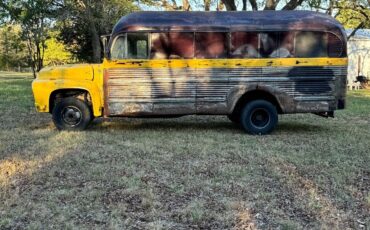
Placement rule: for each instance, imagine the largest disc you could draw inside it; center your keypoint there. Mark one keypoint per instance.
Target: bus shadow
(173, 124)
(186, 124)
(296, 127)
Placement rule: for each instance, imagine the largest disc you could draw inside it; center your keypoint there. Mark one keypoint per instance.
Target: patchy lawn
(189, 172)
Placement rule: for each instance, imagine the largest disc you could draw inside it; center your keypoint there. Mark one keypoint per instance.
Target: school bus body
(229, 78)
(136, 87)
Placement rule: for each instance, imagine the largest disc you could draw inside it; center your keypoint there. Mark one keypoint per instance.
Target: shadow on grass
(175, 124)
(295, 127)
(199, 124)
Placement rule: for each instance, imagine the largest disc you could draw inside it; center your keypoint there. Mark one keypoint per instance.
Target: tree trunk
(186, 5)
(207, 5)
(230, 5)
(254, 5)
(244, 5)
(95, 40)
(95, 43)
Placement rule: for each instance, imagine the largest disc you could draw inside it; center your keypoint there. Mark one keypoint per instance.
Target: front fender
(42, 90)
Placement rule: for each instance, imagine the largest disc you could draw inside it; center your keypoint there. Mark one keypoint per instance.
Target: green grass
(189, 172)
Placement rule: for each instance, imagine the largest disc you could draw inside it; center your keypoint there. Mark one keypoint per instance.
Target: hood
(73, 72)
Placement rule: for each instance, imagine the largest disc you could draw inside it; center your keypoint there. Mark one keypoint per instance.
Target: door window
(137, 45)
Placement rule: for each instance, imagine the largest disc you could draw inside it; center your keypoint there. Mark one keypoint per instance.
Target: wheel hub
(71, 115)
(260, 118)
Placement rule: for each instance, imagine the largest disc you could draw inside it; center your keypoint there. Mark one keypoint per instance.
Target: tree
(56, 52)
(13, 50)
(34, 17)
(82, 22)
(353, 14)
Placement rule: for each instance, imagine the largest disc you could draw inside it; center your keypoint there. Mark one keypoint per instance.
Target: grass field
(199, 172)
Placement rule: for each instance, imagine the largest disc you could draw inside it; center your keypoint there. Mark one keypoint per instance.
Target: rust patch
(106, 92)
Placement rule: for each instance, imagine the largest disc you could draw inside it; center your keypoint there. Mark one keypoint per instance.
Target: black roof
(248, 20)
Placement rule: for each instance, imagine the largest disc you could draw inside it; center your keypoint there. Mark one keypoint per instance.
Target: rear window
(311, 44)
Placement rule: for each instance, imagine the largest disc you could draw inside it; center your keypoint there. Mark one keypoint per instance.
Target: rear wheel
(259, 117)
(72, 114)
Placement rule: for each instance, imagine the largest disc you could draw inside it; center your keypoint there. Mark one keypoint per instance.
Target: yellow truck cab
(249, 66)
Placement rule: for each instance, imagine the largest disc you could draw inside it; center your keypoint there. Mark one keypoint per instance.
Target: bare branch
(292, 4)
(355, 30)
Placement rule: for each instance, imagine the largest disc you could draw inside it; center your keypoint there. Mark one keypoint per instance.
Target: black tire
(72, 114)
(259, 117)
(235, 118)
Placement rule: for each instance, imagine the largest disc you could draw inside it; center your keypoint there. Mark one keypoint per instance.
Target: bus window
(182, 45)
(285, 46)
(211, 45)
(137, 45)
(244, 45)
(118, 48)
(160, 45)
(335, 46)
(311, 44)
(269, 44)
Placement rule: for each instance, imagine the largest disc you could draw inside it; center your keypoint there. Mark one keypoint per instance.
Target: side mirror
(104, 40)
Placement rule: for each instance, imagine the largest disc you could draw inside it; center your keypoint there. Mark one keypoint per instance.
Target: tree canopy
(82, 22)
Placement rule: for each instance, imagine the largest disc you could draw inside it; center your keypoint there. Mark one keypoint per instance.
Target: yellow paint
(225, 63)
(90, 77)
(85, 77)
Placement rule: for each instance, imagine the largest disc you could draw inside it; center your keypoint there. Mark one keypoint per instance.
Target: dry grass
(190, 172)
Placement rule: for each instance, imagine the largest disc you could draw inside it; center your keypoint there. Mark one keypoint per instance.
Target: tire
(259, 117)
(234, 118)
(72, 114)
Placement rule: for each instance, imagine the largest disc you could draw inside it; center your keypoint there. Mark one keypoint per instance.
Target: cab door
(136, 85)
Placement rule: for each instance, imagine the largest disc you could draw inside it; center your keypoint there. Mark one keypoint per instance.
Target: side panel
(298, 89)
(299, 84)
(151, 88)
(170, 87)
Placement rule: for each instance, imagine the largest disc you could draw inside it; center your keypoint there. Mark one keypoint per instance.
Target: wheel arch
(239, 96)
(80, 93)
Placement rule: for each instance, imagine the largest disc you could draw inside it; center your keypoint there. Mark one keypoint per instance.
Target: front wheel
(72, 114)
(259, 117)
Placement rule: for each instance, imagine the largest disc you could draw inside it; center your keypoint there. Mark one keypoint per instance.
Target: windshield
(118, 49)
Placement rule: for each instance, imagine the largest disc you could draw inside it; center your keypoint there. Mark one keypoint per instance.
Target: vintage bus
(248, 66)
